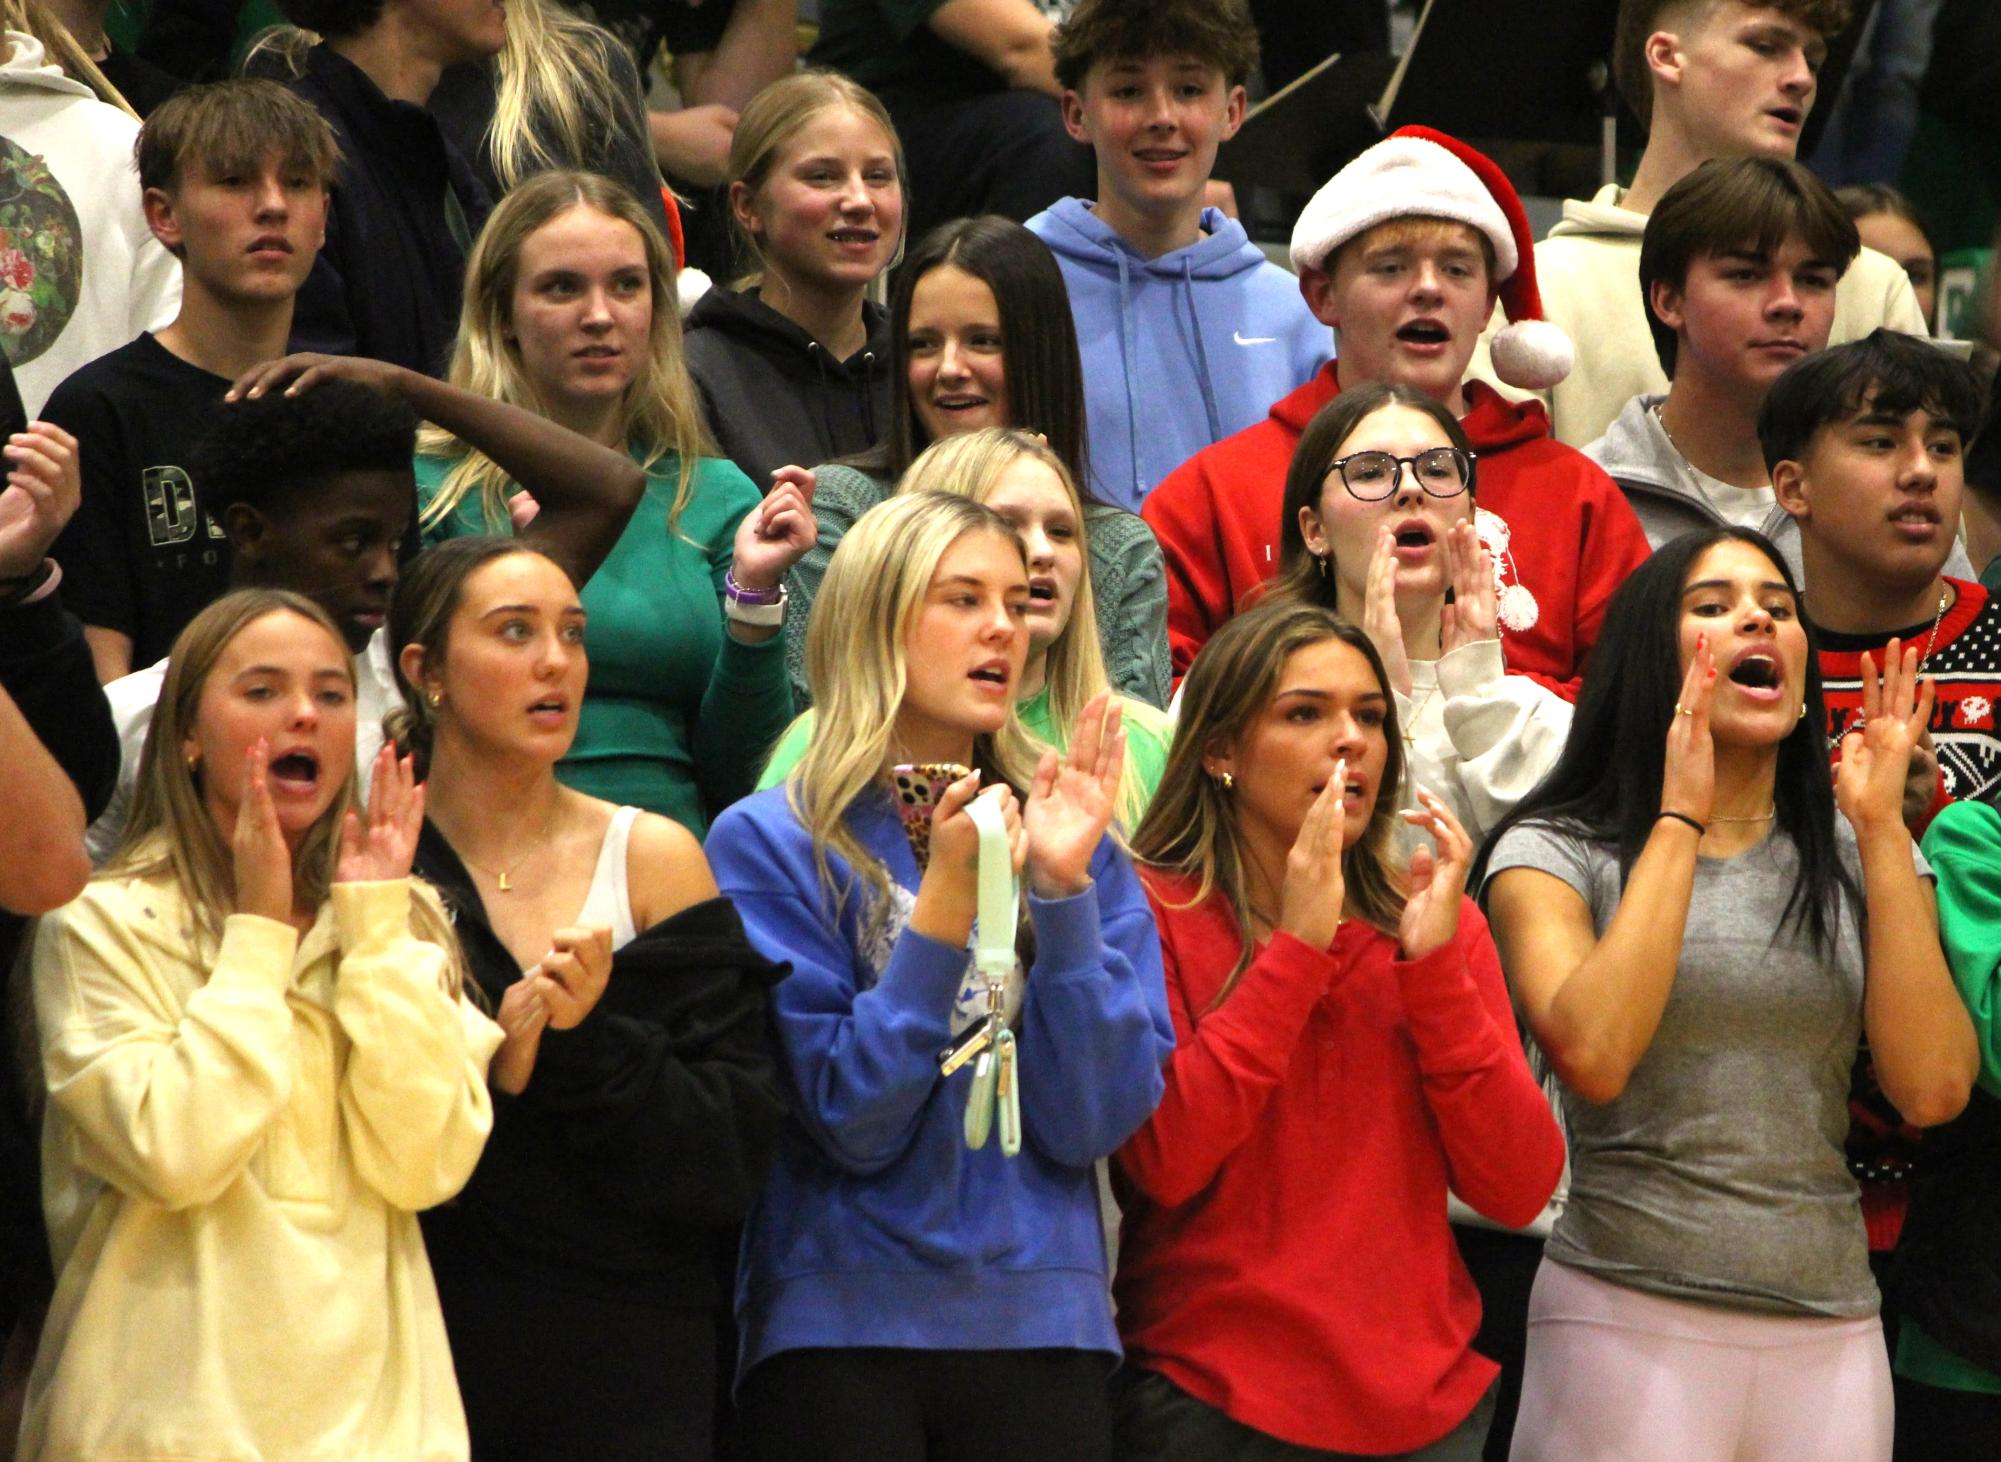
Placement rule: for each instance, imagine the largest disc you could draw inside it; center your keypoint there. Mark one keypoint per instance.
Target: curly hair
(264, 447)
(1217, 32)
(1639, 19)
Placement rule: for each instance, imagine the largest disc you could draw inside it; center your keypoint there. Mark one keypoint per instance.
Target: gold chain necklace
(501, 878)
(1944, 598)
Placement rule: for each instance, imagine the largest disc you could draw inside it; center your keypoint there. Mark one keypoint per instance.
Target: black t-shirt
(142, 555)
(138, 80)
(648, 25)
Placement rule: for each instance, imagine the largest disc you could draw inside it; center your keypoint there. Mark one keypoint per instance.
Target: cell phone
(918, 786)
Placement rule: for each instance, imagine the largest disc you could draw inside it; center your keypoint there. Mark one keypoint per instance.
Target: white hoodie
(1588, 271)
(80, 273)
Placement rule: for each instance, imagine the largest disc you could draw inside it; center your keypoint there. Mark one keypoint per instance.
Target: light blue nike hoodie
(1179, 351)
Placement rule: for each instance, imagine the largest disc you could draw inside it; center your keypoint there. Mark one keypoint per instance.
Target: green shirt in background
(679, 713)
(1963, 846)
(1149, 735)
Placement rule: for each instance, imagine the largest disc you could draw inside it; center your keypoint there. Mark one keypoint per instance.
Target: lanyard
(996, 1088)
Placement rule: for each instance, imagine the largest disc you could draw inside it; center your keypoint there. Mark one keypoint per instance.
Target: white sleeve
(1508, 730)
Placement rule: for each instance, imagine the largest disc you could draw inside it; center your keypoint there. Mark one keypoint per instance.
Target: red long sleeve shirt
(1569, 540)
(1285, 1255)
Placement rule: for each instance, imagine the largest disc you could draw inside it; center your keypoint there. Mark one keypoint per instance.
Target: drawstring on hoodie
(868, 395)
(1128, 351)
(1201, 352)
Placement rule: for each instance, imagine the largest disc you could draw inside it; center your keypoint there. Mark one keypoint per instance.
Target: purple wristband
(737, 594)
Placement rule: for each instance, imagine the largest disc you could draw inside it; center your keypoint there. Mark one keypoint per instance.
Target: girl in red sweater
(1288, 1286)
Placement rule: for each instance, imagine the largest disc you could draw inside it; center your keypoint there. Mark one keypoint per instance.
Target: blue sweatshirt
(1179, 351)
(878, 1226)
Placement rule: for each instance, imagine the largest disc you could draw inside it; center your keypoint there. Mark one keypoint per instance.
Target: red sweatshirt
(1285, 1255)
(1571, 538)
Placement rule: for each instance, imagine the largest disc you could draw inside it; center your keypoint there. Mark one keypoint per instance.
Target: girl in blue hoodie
(901, 1294)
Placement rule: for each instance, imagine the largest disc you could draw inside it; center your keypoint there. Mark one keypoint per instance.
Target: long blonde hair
(60, 48)
(1192, 829)
(856, 664)
(553, 97)
(171, 832)
(776, 115)
(660, 412)
(972, 464)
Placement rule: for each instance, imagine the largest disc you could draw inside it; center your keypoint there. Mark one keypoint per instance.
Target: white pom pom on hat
(1416, 171)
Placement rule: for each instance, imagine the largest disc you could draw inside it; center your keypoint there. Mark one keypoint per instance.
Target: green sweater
(1128, 585)
(1149, 735)
(679, 713)
(1963, 846)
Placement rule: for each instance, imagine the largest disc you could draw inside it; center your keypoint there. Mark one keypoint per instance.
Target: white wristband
(758, 614)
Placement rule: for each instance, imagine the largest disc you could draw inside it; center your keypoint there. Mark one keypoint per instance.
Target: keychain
(995, 1094)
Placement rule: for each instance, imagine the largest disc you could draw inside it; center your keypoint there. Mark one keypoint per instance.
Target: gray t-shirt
(1718, 1174)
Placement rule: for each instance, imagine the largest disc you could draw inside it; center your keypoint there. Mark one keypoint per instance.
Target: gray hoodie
(1667, 498)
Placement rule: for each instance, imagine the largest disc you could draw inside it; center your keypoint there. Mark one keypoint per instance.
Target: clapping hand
(378, 844)
(42, 493)
(776, 533)
(524, 1014)
(1071, 802)
(1472, 615)
(1869, 785)
(1379, 613)
(576, 970)
(1437, 879)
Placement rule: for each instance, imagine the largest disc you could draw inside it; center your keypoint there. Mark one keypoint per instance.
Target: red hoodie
(1570, 537)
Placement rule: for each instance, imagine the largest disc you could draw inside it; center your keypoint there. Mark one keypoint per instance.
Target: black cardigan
(644, 1134)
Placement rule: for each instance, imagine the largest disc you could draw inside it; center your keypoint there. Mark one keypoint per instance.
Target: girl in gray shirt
(1697, 942)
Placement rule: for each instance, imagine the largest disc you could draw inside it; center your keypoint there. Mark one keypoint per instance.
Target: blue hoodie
(878, 1227)
(1196, 344)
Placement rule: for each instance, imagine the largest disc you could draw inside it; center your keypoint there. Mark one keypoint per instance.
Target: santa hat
(1416, 171)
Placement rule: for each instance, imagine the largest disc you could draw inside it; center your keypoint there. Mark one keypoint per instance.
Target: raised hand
(777, 533)
(300, 372)
(576, 970)
(1869, 785)
(1309, 905)
(1379, 612)
(1688, 784)
(1071, 803)
(257, 844)
(948, 897)
(1472, 615)
(382, 847)
(1437, 879)
(42, 493)
(1921, 781)
(523, 1015)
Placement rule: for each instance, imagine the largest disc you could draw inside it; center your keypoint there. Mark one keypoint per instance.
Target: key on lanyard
(996, 1073)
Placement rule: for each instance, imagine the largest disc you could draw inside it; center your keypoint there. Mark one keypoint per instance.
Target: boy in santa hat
(1404, 253)
(1707, 79)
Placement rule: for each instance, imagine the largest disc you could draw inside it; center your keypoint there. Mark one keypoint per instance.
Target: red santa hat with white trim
(1416, 171)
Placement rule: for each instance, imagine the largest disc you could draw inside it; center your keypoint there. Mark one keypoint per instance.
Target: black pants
(552, 1376)
(1160, 1422)
(999, 152)
(1936, 1425)
(879, 1405)
(1503, 1266)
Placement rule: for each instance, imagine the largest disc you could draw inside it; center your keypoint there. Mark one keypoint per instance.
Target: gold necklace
(501, 884)
(1944, 598)
(1755, 817)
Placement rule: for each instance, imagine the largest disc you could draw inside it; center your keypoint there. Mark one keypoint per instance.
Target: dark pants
(1936, 1425)
(1159, 1422)
(552, 1376)
(999, 152)
(881, 1405)
(1503, 1266)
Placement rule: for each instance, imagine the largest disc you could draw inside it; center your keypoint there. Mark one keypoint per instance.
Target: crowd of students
(1127, 856)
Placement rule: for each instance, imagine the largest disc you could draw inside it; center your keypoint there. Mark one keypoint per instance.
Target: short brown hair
(227, 125)
(1218, 33)
(1749, 203)
(1639, 19)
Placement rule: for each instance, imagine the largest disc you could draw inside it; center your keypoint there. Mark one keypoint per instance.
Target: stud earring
(436, 698)
(1226, 781)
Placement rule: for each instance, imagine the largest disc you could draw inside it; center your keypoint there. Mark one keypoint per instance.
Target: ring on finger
(1682, 710)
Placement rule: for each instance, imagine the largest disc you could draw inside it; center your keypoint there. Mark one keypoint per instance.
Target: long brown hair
(1191, 829)
(171, 832)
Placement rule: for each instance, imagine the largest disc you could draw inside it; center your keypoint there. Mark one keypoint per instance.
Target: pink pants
(1618, 1375)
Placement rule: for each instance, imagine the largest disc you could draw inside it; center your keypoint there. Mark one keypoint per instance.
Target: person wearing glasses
(1378, 524)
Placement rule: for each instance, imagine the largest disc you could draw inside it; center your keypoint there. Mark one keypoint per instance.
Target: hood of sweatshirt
(27, 66)
(1636, 452)
(1073, 231)
(1493, 423)
(1600, 214)
(749, 322)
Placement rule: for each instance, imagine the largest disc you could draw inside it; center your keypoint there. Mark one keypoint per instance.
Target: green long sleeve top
(1128, 585)
(1963, 846)
(679, 714)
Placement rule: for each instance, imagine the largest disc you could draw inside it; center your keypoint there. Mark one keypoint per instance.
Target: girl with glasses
(1380, 525)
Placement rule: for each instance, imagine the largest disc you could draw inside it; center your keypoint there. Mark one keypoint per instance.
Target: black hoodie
(774, 396)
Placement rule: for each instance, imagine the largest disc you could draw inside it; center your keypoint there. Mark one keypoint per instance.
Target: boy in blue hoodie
(1205, 331)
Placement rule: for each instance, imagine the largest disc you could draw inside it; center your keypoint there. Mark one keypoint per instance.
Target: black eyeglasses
(1373, 476)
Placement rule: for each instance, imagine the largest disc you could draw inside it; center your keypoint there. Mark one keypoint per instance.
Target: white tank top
(609, 901)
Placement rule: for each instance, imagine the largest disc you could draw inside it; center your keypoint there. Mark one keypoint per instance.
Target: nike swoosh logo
(1238, 336)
